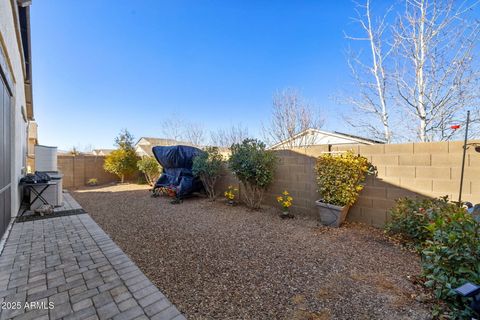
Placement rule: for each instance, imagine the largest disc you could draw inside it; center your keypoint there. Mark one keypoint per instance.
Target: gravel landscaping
(219, 262)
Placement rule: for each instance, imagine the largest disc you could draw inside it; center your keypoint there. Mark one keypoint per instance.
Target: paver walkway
(68, 268)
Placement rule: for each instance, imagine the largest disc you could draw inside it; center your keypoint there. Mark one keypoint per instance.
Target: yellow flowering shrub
(285, 200)
(340, 177)
(230, 193)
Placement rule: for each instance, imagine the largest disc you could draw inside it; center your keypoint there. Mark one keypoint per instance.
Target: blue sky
(100, 66)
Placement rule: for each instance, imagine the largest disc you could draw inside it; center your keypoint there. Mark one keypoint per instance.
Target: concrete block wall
(77, 170)
(414, 169)
(410, 169)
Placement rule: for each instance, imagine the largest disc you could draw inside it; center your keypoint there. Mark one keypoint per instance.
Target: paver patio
(71, 263)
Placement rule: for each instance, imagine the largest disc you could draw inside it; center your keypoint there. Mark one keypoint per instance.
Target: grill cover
(177, 162)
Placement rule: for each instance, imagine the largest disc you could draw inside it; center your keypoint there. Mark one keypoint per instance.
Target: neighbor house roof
(143, 150)
(374, 141)
(102, 152)
(161, 141)
(321, 137)
(144, 145)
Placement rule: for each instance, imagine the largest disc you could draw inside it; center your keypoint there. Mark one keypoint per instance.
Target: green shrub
(411, 216)
(254, 166)
(92, 182)
(150, 168)
(121, 163)
(340, 177)
(208, 166)
(452, 257)
(448, 239)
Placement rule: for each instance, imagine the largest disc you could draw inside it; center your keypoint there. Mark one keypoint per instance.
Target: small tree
(207, 166)
(125, 140)
(150, 168)
(123, 161)
(254, 166)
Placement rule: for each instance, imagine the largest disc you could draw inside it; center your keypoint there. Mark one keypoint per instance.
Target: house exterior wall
(143, 142)
(309, 139)
(322, 139)
(139, 147)
(140, 152)
(11, 46)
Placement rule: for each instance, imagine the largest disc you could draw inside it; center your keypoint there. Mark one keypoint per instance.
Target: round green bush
(208, 167)
(254, 166)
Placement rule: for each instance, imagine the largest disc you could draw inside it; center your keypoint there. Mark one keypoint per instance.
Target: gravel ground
(219, 262)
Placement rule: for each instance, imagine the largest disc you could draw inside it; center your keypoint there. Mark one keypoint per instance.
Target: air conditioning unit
(46, 162)
(45, 158)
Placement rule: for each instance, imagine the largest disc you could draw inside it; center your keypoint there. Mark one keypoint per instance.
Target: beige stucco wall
(32, 129)
(10, 46)
(140, 152)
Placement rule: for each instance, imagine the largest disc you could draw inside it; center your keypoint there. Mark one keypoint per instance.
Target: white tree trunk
(420, 74)
(379, 74)
(372, 79)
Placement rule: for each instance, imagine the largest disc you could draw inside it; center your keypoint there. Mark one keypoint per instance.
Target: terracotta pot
(331, 215)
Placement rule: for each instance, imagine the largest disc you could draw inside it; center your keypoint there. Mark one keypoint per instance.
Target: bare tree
(179, 129)
(371, 105)
(436, 78)
(74, 151)
(88, 148)
(226, 137)
(194, 133)
(173, 127)
(291, 117)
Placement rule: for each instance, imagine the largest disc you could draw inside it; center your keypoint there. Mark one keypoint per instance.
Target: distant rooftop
(359, 137)
(324, 137)
(162, 141)
(146, 149)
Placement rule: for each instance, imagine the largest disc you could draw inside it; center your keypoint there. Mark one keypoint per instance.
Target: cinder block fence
(410, 169)
(77, 170)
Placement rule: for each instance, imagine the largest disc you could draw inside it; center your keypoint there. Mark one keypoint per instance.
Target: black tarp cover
(177, 162)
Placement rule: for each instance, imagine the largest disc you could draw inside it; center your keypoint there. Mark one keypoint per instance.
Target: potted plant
(285, 201)
(169, 191)
(340, 179)
(230, 195)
